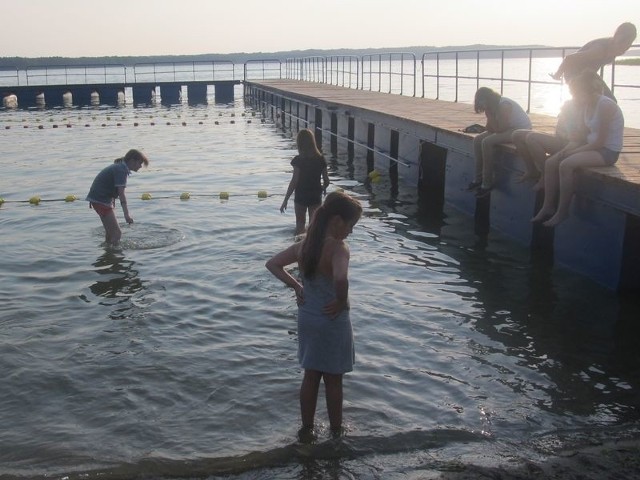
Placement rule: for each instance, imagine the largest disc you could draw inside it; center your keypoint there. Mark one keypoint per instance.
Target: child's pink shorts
(101, 210)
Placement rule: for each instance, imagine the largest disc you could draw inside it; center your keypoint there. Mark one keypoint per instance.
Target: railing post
(529, 81)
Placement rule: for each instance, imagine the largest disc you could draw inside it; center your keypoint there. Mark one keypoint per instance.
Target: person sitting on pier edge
(309, 167)
(503, 117)
(533, 147)
(596, 54)
(604, 124)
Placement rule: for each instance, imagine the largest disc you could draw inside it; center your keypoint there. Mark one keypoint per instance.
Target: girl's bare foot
(539, 185)
(555, 220)
(529, 176)
(542, 215)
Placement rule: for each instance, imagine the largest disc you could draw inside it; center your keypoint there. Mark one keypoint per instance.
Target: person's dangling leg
(567, 172)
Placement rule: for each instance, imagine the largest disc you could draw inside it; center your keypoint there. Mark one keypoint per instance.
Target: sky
(93, 28)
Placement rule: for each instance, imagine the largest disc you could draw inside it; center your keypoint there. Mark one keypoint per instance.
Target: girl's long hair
(336, 203)
(307, 144)
(133, 154)
(489, 98)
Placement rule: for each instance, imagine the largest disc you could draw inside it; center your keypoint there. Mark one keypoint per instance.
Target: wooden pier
(420, 142)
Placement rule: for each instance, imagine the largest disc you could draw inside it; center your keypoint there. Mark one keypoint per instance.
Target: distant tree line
(24, 62)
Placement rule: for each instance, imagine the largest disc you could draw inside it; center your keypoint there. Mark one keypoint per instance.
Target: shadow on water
(582, 336)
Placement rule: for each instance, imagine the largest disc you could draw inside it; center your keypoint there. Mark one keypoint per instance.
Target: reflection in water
(563, 327)
(118, 280)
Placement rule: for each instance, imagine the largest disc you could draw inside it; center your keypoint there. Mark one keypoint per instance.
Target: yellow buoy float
(146, 196)
(262, 194)
(35, 200)
(185, 196)
(70, 198)
(1, 201)
(224, 195)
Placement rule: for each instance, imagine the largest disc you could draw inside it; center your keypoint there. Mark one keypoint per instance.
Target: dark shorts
(101, 210)
(609, 156)
(308, 199)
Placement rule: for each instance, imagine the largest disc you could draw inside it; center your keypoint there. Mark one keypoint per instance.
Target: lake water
(176, 357)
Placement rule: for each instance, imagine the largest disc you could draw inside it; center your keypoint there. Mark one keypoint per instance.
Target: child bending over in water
(108, 185)
(309, 167)
(325, 337)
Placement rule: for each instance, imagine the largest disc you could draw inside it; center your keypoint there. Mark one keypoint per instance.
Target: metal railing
(69, 74)
(442, 72)
(382, 69)
(262, 69)
(184, 71)
(477, 59)
(9, 76)
(343, 71)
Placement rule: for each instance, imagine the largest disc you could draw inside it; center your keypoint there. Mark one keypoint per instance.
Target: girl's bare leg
(333, 392)
(309, 397)
(551, 180)
(489, 144)
(301, 217)
(111, 228)
(519, 139)
(567, 171)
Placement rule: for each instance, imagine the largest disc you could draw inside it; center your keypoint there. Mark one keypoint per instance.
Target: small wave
(344, 448)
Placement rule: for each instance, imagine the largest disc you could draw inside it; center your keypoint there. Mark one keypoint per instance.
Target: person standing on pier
(110, 184)
(596, 54)
(309, 168)
(325, 336)
(504, 116)
(604, 123)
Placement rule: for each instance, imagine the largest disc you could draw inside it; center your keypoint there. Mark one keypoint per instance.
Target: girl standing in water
(108, 185)
(325, 337)
(309, 167)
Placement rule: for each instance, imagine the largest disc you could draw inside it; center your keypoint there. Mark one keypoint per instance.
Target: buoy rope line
(69, 121)
(261, 194)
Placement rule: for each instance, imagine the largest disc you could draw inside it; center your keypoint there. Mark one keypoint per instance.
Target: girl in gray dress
(325, 338)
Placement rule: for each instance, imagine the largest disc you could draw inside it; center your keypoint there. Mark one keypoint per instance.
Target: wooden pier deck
(446, 116)
(601, 239)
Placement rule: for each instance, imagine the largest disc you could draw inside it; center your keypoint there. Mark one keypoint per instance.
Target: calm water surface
(176, 356)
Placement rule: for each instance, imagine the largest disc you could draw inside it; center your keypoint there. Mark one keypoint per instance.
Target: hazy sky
(34, 28)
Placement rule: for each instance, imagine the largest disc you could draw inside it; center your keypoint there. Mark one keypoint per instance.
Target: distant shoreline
(511, 51)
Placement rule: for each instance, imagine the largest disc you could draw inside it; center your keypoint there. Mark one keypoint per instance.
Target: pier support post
(197, 94)
(431, 179)
(171, 94)
(81, 96)
(629, 278)
(351, 134)
(371, 138)
(143, 94)
(334, 134)
(224, 92)
(111, 96)
(394, 147)
(318, 128)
